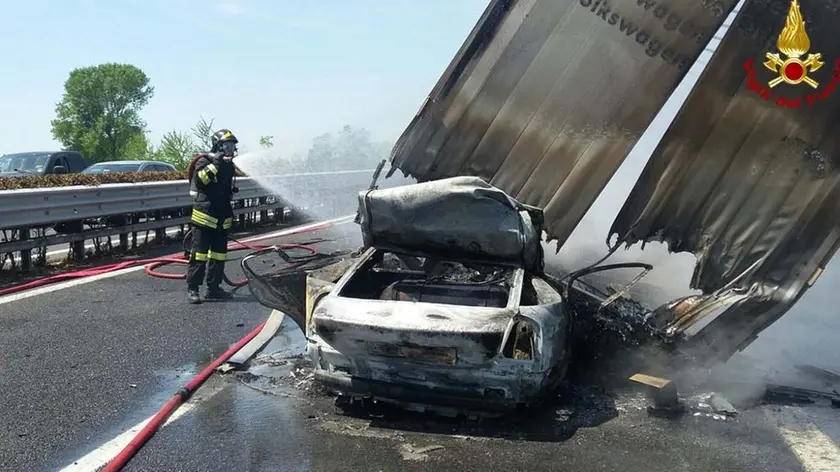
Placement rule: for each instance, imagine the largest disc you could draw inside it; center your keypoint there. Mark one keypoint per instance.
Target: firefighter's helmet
(221, 138)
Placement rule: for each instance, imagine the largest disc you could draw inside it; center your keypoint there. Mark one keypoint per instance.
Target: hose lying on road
(151, 265)
(118, 462)
(155, 263)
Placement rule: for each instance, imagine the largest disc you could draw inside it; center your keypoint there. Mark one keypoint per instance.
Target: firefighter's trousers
(209, 253)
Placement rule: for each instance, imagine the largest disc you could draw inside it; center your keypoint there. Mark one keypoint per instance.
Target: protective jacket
(212, 188)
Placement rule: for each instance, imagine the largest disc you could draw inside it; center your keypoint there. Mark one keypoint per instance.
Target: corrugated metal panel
(737, 177)
(750, 187)
(546, 97)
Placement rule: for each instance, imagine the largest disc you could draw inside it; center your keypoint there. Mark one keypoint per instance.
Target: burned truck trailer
(545, 99)
(531, 119)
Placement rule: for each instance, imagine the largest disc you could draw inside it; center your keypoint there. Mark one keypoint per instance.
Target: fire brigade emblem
(794, 43)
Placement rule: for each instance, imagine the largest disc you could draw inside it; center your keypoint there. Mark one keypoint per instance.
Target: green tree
(139, 148)
(176, 148)
(99, 112)
(203, 132)
(267, 142)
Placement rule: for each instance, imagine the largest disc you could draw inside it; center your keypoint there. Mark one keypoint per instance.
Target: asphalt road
(84, 364)
(240, 429)
(272, 418)
(81, 363)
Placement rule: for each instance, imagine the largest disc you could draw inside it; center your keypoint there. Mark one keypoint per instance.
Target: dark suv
(42, 163)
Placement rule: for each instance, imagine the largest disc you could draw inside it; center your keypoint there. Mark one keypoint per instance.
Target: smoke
(671, 274)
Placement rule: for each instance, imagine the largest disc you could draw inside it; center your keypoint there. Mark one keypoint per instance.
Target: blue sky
(288, 68)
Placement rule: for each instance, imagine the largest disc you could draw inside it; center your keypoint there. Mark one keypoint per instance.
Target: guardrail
(126, 209)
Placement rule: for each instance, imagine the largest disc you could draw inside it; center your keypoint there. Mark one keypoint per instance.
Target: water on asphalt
(273, 418)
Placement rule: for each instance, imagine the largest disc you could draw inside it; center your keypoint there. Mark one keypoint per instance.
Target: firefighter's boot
(217, 293)
(192, 296)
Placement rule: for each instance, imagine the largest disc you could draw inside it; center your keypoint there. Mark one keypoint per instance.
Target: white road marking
(86, 280)
(104, 453)
(816, 451)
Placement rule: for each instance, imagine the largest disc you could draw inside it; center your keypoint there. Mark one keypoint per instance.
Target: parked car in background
(129, 166)
(42, 163)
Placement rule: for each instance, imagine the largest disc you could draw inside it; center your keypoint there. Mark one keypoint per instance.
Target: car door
(76, 162)
(59, 160)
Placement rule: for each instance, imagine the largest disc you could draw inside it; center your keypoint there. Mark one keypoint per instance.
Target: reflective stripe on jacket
(211, 186)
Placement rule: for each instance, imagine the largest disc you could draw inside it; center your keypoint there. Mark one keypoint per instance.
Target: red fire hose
(151, 266)
(118, 462)
(156, 263)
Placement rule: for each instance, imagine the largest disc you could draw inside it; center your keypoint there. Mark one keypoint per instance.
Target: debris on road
(662, 392)
(410, 453)
(826, 376)
(272, 325)
(721, 405)
(711, 405)
(784, 394)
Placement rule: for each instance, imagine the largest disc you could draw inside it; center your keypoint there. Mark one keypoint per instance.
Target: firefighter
(212, 187)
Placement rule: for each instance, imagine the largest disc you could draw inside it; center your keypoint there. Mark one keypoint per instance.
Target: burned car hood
(545, 99)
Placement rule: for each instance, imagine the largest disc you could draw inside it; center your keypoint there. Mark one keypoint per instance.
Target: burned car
(445, 306)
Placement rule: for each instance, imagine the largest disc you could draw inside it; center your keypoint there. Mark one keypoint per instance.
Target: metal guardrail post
(25, 255)
(124, 242)
(160, 233)
(263, 213)
(78, 250)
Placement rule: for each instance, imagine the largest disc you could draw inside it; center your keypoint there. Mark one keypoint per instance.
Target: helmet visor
(228, 148)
